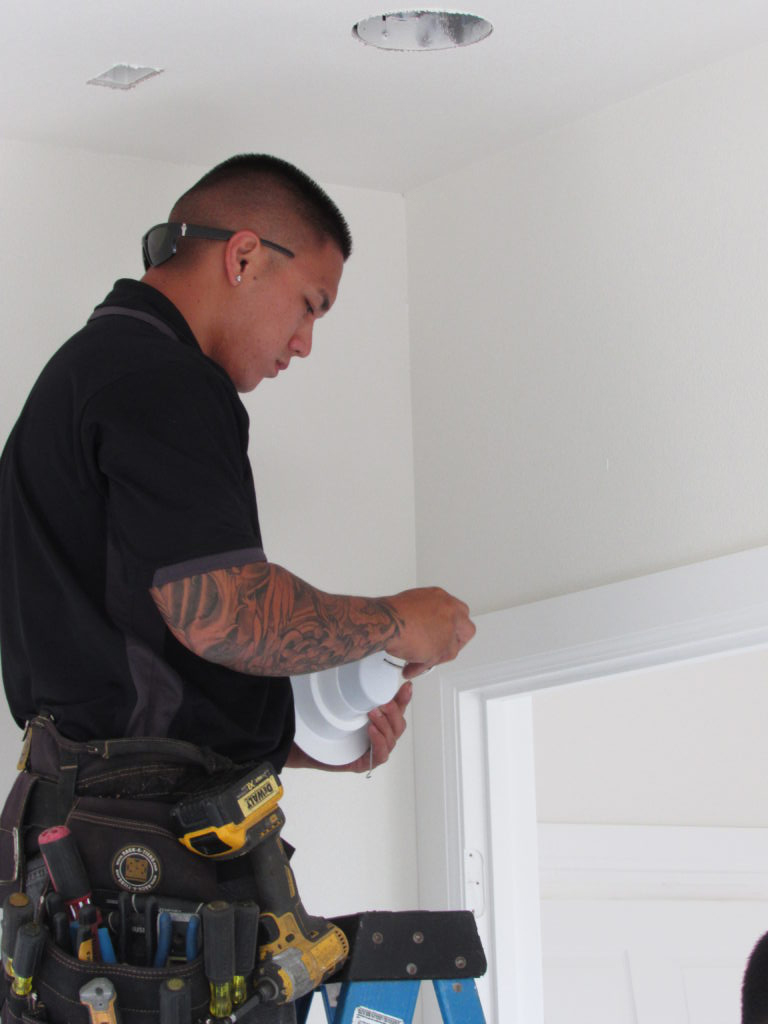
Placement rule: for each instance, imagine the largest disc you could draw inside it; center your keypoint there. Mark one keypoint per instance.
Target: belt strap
(58, 758)
(137, 315)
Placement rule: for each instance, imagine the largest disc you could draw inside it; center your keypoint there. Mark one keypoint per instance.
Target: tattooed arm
(261, 619)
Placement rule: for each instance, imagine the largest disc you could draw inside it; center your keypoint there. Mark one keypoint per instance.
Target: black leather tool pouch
(14, 1008)
(128, 845)
(137, 989)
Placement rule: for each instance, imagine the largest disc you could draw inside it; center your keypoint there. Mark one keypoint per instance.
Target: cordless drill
(297, 952)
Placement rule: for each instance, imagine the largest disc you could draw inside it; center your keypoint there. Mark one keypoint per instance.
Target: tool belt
(110, 793)
(115, 796)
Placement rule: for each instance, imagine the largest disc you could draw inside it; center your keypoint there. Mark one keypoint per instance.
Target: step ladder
(391, 955)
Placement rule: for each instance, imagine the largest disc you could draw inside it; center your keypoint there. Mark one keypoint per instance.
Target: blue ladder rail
(394, 1002)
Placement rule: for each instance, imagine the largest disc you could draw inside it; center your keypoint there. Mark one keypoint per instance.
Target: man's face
(274, 310)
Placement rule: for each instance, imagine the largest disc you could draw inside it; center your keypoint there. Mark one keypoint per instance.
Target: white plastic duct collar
(332, 706)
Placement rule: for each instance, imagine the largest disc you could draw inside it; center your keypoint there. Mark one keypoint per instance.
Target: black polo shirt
(129, 459)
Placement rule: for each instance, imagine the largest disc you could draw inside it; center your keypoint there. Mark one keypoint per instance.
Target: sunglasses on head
(159, 243)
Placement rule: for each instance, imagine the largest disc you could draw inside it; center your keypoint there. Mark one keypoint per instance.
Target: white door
(655, 962)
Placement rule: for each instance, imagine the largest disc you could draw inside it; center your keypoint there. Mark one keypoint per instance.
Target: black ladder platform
(391, 954)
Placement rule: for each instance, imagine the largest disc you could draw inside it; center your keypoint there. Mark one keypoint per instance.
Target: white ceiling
(287, 77)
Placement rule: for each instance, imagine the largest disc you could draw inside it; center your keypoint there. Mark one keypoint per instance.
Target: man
(125, 490)
(135, 596)
(754, 987)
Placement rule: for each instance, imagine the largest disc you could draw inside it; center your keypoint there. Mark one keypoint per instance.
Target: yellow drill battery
(231, 818)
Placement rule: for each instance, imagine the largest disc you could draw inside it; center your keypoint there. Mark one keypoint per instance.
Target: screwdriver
(65, 868)
(219, 954)
(175, 1002)
(124, 926)
(30, 940)
(57, 919)
(150, 919)
(246, 932)
(60, 931)
(17, 910)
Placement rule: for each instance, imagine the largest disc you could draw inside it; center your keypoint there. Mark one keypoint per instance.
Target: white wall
(590, 356)
(675, 745)
(71, 224)
(331, 447)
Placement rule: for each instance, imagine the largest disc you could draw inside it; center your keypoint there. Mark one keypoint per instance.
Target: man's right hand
(434, 628)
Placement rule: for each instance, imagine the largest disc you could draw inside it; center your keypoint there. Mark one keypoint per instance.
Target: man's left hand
(387, 725)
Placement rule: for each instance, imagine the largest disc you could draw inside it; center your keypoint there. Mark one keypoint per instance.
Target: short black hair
(255, 177)
(754, 990)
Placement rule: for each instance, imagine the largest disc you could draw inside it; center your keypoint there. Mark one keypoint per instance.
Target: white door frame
(476, 817)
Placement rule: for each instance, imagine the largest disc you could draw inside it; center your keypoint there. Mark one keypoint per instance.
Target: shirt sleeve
(168, 446)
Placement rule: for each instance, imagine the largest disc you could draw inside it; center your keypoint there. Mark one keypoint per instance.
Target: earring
(238, 279)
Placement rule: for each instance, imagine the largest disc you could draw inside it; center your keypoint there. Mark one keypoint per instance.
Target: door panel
(647, 961)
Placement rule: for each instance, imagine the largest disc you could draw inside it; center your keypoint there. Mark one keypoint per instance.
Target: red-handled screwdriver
(65, 868)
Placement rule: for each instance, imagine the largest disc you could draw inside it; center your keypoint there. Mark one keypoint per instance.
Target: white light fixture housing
(422, 30)
(124, 76)
(332, 706)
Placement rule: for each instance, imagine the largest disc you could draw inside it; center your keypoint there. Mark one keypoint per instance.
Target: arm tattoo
(263, 620)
